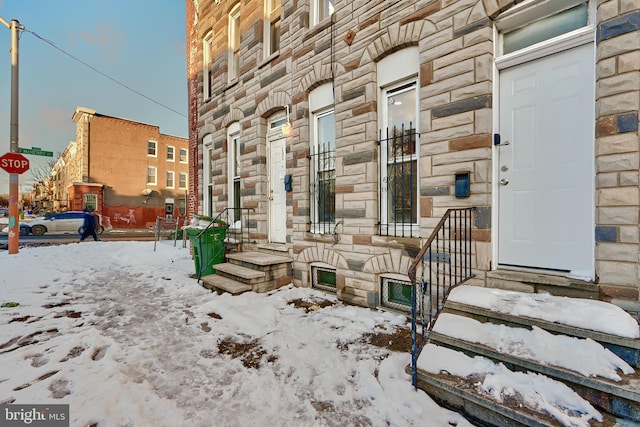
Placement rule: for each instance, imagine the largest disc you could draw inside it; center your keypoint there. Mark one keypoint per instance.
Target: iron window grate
(324, 279)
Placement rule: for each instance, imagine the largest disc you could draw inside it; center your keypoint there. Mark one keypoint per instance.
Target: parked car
(59, 222)
(4, 211)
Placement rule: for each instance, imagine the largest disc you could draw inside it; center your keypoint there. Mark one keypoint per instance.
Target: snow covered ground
(124, 336)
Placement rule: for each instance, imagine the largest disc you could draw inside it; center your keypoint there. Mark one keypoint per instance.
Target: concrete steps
(250, 271)
(464, 329)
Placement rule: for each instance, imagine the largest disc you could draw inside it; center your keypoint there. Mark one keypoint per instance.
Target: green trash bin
(208, 247)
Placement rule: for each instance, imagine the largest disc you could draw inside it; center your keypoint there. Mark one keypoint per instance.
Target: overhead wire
(52, 44)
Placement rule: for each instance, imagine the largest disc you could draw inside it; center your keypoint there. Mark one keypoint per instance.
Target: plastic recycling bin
(208, 248)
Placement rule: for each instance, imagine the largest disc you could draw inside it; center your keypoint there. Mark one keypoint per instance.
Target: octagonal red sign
(14, 163)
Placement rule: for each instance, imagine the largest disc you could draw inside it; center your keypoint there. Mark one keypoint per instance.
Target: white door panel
(547, 168)
(277, 195)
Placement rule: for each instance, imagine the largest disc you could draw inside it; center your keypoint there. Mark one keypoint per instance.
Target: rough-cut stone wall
(455, 41)
(617, 150)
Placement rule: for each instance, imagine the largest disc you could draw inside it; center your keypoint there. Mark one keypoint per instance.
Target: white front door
(277, 196)
(546, 163)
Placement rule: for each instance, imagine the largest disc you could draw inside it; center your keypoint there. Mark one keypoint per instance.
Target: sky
(123, 334)
(139, 44)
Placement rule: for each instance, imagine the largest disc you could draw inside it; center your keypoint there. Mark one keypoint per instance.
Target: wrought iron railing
(398, 206)
(322, 190)
(236, 235)
(443, 262)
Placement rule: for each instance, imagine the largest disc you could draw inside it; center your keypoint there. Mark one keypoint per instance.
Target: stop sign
(14, 163)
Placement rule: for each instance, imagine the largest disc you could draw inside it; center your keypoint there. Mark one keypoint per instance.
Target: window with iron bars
(322, 185)
(323, 191)
(396, 294)
(398, 182)
(323, 278)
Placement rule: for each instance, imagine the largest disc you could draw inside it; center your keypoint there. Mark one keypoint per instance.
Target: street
(108, 236)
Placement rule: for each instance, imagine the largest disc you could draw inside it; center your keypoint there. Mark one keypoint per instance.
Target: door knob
(504, 181)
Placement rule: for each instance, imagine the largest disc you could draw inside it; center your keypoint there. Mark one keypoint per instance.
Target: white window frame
(528, 12)
(317, 6)
(171, 149)
(182, 177)
(388, 280)
(171, 179)
(186, 155)
(233, 155)
(234, 39)
(321, 104)
(315, 267)
(272, 15)
(207, 64)
(390, 78)
(207, 182)
(409, 228)
(151, 143)
(152, 172)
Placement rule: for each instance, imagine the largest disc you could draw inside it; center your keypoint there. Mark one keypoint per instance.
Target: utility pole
(14, 219)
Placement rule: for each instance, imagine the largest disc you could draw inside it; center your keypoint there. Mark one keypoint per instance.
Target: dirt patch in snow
(251, 354)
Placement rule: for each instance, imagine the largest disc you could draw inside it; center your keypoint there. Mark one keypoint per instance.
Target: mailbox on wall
(463, 184)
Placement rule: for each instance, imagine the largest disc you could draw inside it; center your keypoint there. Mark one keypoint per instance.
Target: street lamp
(14, 233)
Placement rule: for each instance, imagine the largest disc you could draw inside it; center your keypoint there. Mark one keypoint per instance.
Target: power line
(49, 42)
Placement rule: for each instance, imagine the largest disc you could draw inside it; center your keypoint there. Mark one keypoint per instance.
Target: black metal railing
(237, 234)
(398, 182)
(443, 263)
(322, 190)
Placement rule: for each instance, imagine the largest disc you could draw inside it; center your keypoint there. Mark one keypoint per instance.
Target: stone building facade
(534, 104)
(127, 171)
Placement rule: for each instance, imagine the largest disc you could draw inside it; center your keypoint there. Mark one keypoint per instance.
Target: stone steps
(250, 271)
(477, 333)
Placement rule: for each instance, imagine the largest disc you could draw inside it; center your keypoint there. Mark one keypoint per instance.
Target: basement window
(323, 278)
(396, 294)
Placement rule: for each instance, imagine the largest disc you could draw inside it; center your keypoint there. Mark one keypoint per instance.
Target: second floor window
(207, 64)
(183, 155)
(234, 43)
(273, 16)
(170, 179)
(171, 153)
(152, 175)
(322, 9)
(152, 148)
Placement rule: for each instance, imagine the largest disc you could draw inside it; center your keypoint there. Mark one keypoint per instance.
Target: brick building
(350, 127)
(127, 171)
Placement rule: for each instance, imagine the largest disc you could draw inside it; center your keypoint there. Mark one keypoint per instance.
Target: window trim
(155, 148)
(315, 267)
(155, 175)
(173, 179)
(400, 228)
(271, 16)
(207, 182)
(186, 155)
(207, 64)
(233, 154)
(173, 153)
(233, 61)
(317, 226)
(315, 11)
(385, 300)
(186, 180)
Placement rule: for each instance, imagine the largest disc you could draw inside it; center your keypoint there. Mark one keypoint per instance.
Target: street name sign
(36, 151)
(14, 163)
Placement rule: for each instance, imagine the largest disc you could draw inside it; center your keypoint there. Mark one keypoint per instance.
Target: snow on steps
(249, 271)
(557, 373)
